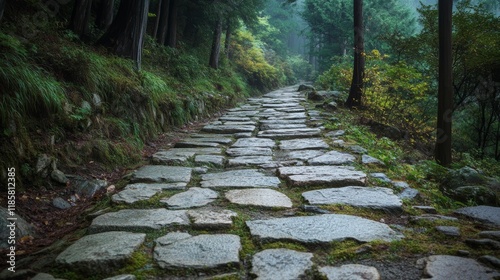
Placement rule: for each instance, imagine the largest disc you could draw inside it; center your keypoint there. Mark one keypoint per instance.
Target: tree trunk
(445, 89)
(163, 14)
(227, 42)
(172, 24)
(356, 91)
(125, 36)
(214, 55)
(157, 21)
(105, 14)
(80, 17)
(2, 8)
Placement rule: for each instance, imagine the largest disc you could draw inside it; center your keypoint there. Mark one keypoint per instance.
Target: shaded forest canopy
(97, 79)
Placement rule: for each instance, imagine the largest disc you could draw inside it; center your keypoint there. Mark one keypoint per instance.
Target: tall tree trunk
(172, 24)
(80, 17)
(214, 55)
(125, 36)
(227, 42)
(2, 8)
(356, 91)
(163, 14)
(105, 14)
(157, 21)
(445, 89)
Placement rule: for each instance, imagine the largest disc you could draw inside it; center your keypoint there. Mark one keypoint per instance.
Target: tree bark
(157, 21)
(105, 14)
(445, 88)
(356, 91)
(161, 34)
(227, 42)
(125, 36)
(80, 17)
(214, 55)
(172, 24)
(2, 8)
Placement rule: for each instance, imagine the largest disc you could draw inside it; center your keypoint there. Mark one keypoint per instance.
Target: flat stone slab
(484, 214)
(254, 142)
(280, 105)
(228, 128)
(259, 197)
(209, 138)
(280, 134)
(197, 252)
(302, 154)
(249, 160)
(290, 116)
(138, 219)
(194, 197)
(162, 174)
(182, 155)
(245, 178)
(140, 191)
(275, 264)
(350, 272)
(304, 144)
(448, 230)
(365, 197)
(366, 159)
(196, 144)
(210, 159)
(102, 252)
(443, 267)
(252, 151)
(212, 219)
(282, 126)
(490, 234)
(333, 158)
(285, 122)
(322, 229)
(332, 176)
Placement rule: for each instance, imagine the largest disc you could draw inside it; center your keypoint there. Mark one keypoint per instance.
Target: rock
(374, 198)
(199, 252)
(315, 96)
(60, 203)
(249, 161)
(464, 176)
(212, 219)
(333, 158)
(479, 194)
(259, 197)
(102, 252)
(381, 176)
(400, 184)
(137, 192)
(214, 160)
(43, 276)
(210, 138)
(194, 197)
(86, 188)
(253, 142)
(463, 253)
(321, 229)
(490, 260)
(253, 151)
(338, 143)
(42, 164)
(122, 277)
(301, 154)
(305, 87)
(432, 217)
(448, 230)
(304, 144)
(22, 227)
(483, 243)
(246, 178)
(172, 157)
(162, 174)
(408, 193)
(196, 144)
(366, 159)
(335, 133)
(331, 106)
(59, 177)
(96, 100)
(138, 219)
(332, 176)
(280, 134)
(200, 170)
(282, 126)
(483, 214)
(281, 264)
(426, 209)
(490, 234)
(350, 272)
(314, 209)
(228, 128)
(450, 267)
(357, 149)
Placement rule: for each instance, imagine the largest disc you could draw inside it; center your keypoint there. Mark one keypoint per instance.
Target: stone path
(210, 204)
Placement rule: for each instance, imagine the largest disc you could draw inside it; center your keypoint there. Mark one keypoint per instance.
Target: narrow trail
(242, 199)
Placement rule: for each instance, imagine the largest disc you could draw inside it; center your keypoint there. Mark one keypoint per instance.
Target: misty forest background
(98, 79)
